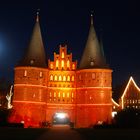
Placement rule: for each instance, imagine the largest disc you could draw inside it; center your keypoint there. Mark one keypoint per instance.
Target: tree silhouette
(128, 118)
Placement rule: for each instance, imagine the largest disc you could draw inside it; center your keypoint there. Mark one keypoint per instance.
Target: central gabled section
(61, 95)
(61, 78)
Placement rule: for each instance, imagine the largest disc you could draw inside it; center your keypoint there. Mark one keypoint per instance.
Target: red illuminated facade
(42, 89)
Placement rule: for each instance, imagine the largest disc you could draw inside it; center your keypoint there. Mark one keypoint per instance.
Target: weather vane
(92, 17)
(38, 10)
(92, 12)
(37, 13)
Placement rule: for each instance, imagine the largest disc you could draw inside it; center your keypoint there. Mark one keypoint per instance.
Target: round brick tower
(94, 90)
(30, 83)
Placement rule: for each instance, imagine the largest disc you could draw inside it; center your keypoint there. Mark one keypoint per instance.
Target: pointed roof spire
(93, 56)
(35, 54)
(91, 17)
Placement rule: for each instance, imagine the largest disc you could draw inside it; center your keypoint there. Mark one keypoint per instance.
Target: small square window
(25, 73)
(93, 75)
(41, 74)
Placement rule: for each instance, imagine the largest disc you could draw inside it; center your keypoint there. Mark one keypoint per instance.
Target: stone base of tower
(31, 114)
(88, 116)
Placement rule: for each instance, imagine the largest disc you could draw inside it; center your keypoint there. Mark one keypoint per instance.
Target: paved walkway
(61, 132)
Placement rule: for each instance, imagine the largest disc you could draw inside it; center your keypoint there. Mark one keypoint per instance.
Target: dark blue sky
(67, 21)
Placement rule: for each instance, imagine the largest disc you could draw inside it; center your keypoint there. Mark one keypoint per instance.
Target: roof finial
(37, 15)
(91, 17)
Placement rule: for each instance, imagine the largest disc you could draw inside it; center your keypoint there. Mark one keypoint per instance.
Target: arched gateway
(60, 118)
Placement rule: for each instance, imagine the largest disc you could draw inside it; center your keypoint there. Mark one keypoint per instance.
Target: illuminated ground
(65, 133)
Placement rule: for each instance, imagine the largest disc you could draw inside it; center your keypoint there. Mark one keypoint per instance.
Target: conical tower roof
(35, 54)
(93, 55)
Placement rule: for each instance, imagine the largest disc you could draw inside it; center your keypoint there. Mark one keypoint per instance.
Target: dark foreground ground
(65, 133)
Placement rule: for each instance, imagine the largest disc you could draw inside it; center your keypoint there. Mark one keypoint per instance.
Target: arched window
(62, 54)
(51, 77)
(60, 78)
(93, 75)
(64, 78)
(68, 63)
(80, 77)
(54, 94)
(62, 63)
(73, 67)
(72, 78)
(50, 94)
(59, 95)
(72, 95)
(68, 94)
(25, 73)
(55, 78)
(41, 74)
(51, 66)
(63, 94)
(68, 78)
(57, 63)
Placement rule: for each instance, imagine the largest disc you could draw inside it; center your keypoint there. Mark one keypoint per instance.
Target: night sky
(117, 22)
